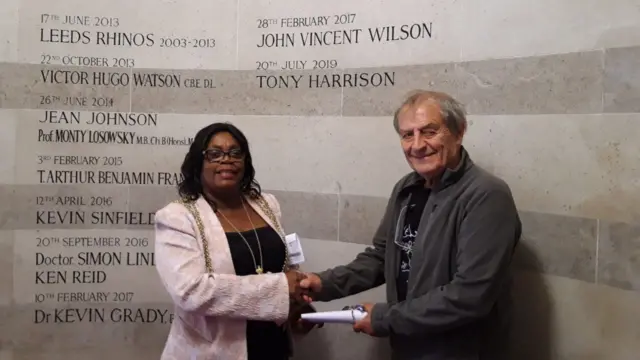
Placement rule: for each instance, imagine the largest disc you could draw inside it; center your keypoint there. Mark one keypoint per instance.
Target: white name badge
(296, 256)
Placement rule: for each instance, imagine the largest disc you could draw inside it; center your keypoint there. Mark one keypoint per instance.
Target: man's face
(427, 143)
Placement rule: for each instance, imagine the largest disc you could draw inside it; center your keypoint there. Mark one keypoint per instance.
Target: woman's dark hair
(190, 187)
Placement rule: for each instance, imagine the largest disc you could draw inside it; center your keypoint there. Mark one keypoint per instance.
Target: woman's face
(223, 165)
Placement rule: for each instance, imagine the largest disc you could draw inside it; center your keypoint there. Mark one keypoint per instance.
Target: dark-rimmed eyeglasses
(217, 155)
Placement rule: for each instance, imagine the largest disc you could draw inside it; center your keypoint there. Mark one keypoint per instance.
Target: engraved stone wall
(99, 101)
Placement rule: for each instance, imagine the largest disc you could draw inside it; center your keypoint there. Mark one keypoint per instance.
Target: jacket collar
(257, 205)
(448, 177)
(260, 208)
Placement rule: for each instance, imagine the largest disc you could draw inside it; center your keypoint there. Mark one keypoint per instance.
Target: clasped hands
(302, 288)
(299, 303)
(297, 293)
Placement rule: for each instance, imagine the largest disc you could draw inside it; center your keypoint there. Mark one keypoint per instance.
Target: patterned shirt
(409, 231)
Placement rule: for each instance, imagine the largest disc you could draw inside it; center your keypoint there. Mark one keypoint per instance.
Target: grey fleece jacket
(459, 287)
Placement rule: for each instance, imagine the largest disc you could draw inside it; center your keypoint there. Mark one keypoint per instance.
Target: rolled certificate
(338, 317)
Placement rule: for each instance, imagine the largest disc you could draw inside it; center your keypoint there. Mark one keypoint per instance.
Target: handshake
(302, 287)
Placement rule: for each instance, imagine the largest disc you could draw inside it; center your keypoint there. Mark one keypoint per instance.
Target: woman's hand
(299, 326)
(293, 279)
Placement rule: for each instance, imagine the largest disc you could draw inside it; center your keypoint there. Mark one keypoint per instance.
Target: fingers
(356, 326)
(295, 291)
(297, 275)
(298, 296)
(302, 284)
(300, 275)
(311, 283)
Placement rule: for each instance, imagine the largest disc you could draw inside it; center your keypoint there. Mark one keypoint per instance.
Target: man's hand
(364, 325)
(310, 284)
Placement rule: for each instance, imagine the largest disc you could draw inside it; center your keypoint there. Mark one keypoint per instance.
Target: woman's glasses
(217, 155)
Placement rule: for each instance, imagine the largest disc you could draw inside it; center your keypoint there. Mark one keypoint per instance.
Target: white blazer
(211, 310)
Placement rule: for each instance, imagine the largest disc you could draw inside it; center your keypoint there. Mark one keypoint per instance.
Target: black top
(265, 340)
(409, 231)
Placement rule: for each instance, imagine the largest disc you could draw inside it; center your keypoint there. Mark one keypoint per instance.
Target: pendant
(259, 270)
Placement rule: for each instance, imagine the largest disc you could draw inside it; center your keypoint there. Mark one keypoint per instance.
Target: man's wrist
(321, 294)
(379, 319)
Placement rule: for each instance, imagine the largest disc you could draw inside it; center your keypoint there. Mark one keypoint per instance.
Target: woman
(221, 255)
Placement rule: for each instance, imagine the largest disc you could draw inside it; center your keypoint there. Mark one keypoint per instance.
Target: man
(443, 247)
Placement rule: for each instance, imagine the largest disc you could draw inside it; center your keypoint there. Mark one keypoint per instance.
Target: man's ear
(463, 129)
(461, 133)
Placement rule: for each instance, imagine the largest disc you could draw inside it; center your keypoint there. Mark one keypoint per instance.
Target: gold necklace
(259, 268)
